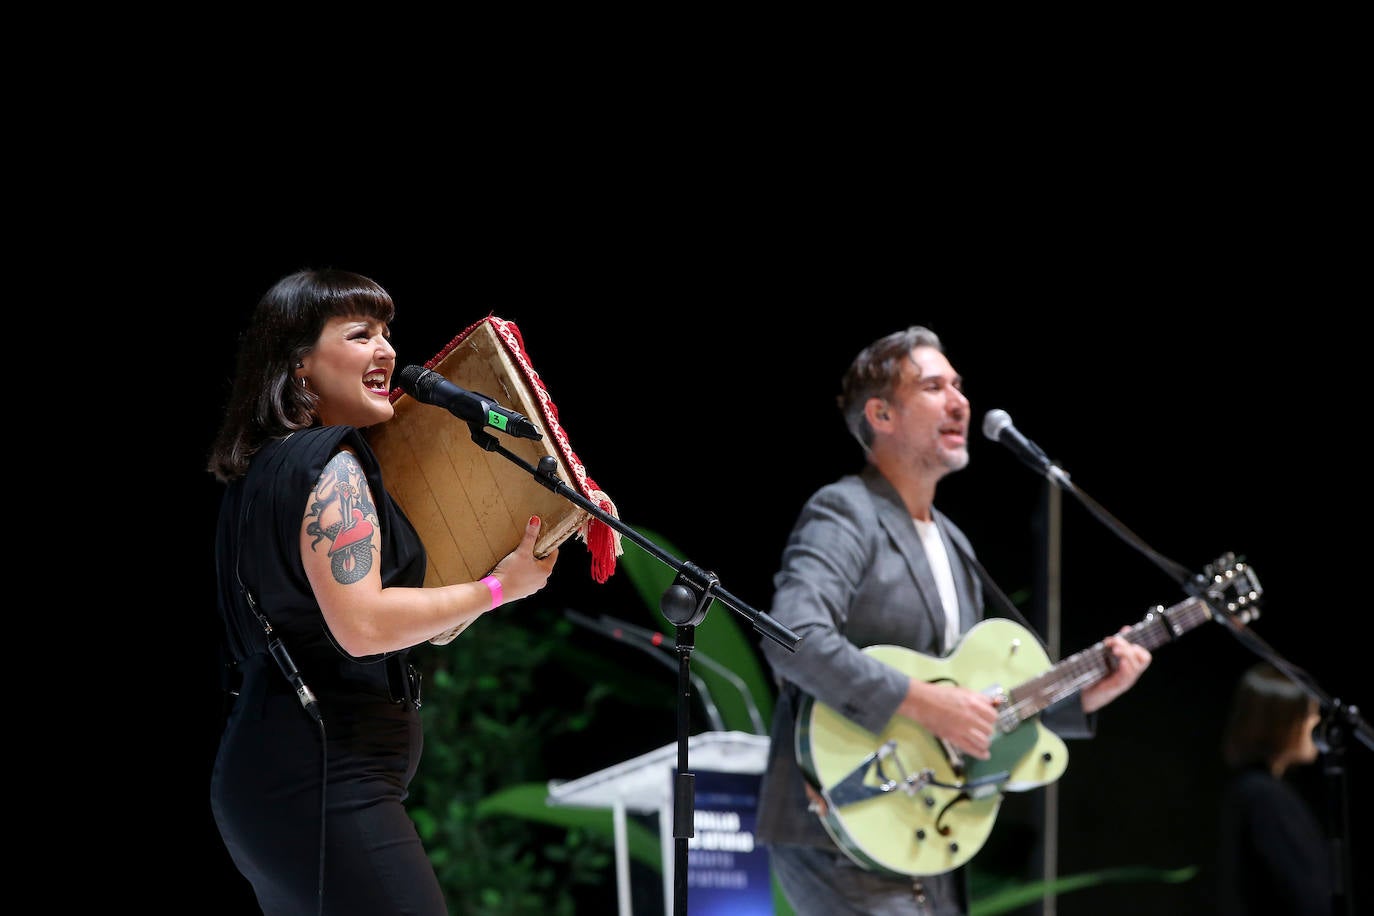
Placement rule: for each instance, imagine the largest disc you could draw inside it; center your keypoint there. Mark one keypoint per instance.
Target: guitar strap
(991, 587)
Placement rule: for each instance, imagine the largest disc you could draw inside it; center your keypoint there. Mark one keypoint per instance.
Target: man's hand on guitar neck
(962, 718)
(1129, 662)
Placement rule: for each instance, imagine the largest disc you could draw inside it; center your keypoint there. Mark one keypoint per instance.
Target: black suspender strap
(992, 588)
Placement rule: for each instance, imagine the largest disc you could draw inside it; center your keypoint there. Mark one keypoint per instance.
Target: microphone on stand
(429, 387)
(998, 427)
(670, 644)
(622, 632)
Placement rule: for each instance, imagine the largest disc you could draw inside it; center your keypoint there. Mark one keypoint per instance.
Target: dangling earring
(305, 383)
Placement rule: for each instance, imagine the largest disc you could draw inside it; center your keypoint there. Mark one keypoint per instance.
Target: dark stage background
(1206, 400)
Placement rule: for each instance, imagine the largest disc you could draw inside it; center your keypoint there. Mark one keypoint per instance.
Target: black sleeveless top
(258, 547)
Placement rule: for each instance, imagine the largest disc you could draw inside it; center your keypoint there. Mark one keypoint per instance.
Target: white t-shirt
(944, 578)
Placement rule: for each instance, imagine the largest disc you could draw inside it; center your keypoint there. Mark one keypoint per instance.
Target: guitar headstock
(1232, 585)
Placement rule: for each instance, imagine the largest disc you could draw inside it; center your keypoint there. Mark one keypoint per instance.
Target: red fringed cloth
(470, 505)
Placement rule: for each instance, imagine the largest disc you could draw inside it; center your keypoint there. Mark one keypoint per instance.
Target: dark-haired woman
(320, 579)
(1274, 857)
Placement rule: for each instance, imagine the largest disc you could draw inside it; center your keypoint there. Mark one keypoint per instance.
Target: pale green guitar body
(900, 802)
(917, 827)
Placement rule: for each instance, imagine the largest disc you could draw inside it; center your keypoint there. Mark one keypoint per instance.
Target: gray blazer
(854, 574)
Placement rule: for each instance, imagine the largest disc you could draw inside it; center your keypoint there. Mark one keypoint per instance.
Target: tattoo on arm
(343, 513)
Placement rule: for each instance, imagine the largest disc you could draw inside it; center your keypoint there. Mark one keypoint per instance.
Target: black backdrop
(1204, 398)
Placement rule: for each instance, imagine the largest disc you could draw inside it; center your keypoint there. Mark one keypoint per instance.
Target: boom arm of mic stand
(1178, 572)
(1338, 719)
(700, 585)
(1197, 586)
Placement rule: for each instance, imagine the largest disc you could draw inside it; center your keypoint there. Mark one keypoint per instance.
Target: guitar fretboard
(1085, 668)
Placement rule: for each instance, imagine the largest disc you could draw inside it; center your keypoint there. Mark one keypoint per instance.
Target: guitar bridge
(852, 788)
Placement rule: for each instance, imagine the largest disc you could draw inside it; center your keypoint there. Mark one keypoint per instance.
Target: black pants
(825, 882)
(266, 794)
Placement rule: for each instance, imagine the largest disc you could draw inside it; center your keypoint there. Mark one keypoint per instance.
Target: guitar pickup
(852, 787)
(983, 786)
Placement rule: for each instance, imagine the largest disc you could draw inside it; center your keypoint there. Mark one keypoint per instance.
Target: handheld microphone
(997, 426)
(430, 387)
(288, 668)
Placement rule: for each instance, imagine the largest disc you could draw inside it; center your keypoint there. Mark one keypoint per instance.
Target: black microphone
(650, 642)
(288, 668)
(997, 426)
(430, 387)
(671, 644)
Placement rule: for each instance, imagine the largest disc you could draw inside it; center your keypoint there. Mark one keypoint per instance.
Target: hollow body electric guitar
(905, 803)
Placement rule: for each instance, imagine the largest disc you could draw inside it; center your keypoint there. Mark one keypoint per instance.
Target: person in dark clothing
(321, 590)
(1273, 855)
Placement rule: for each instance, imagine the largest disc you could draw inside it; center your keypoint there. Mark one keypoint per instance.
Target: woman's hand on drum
(520, 572)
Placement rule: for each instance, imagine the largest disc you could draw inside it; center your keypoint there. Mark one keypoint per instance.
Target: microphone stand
(1339, 720)
(622, 632)
(685, 604)
(654, 637)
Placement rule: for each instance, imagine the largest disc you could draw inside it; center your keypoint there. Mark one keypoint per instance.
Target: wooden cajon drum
(470, 505)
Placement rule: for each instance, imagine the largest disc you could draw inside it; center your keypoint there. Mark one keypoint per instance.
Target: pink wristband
(493, 584)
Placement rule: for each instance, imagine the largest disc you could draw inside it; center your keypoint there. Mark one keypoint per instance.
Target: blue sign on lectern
(727, 869)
